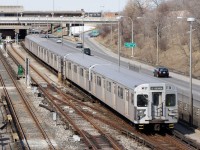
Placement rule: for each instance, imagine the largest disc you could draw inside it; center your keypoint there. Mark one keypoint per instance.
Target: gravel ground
(59, 135)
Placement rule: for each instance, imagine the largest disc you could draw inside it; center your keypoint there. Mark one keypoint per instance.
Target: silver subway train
(140, 98)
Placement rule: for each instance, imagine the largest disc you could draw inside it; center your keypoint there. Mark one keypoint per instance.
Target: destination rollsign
(156, 88)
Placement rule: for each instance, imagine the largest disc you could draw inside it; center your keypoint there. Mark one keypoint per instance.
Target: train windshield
(170, 100)
(142, 100)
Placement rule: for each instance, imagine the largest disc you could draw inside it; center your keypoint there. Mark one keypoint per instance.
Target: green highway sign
(59, 29)
(129, 45)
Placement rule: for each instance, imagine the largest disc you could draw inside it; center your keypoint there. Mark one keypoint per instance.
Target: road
(180, 81)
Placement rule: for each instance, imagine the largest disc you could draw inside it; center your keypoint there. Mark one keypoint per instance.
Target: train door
(70, 71)
(38, 52)
(58, 62)
(103, 89)
(46, 56)
(94, 84)
(126, 101)
(85, 78)
(43, 51)
(52, 59)
(157, 106)
(78, 75)
(114, 94)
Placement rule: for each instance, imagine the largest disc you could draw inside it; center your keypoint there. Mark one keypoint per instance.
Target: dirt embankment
(176, 58)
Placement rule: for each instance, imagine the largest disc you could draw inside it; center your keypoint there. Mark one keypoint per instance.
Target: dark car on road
(87, 51)
(161, 72)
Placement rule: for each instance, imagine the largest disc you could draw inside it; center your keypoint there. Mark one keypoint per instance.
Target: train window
(120, 92)
(108, 84)
(69, 66)
(142, 100)
(81, 72)
(170, 100)
(132, 98)
(75, 68)
(156, 99)
(98, 80)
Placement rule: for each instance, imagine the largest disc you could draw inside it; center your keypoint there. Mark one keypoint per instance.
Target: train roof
(112, 71)
(56, 48)
(108, 69)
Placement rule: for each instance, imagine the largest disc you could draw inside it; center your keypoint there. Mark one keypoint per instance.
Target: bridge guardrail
(57, 19)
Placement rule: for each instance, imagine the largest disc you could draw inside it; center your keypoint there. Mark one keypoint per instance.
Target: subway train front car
(156, 105)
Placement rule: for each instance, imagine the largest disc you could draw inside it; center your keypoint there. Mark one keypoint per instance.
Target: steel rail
(49, 96)
(151, 144)
(19, 127)
(111, 140)
(44, 134)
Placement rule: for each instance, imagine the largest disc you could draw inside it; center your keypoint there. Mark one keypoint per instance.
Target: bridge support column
(68, 29)
(52, 28)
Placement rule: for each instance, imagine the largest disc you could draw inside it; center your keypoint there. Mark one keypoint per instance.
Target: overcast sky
(68, 5)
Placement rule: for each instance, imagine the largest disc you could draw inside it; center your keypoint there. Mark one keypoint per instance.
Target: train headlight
(141, 113)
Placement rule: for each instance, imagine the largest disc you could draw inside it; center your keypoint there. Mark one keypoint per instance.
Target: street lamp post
(6, 49)
(157, 53)
(61, 28)
(39, 24)
(102, 10)
(34, 25)
(131, 33)
(132, 55)
(47, 26)
(83, 31)
(191, 20)
(53, 9)
(119, 44)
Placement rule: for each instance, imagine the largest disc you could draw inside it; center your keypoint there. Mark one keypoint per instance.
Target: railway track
(152, 140)
(29, 127)
(80, 123)
(67, 104)
(168, 140)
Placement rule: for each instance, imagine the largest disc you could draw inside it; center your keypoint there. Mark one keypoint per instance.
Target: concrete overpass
(15, 21)
(21, 25)
(56, 20)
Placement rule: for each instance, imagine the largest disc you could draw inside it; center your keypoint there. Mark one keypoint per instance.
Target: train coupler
(171, 126)
(140, 126)
(157, 127)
